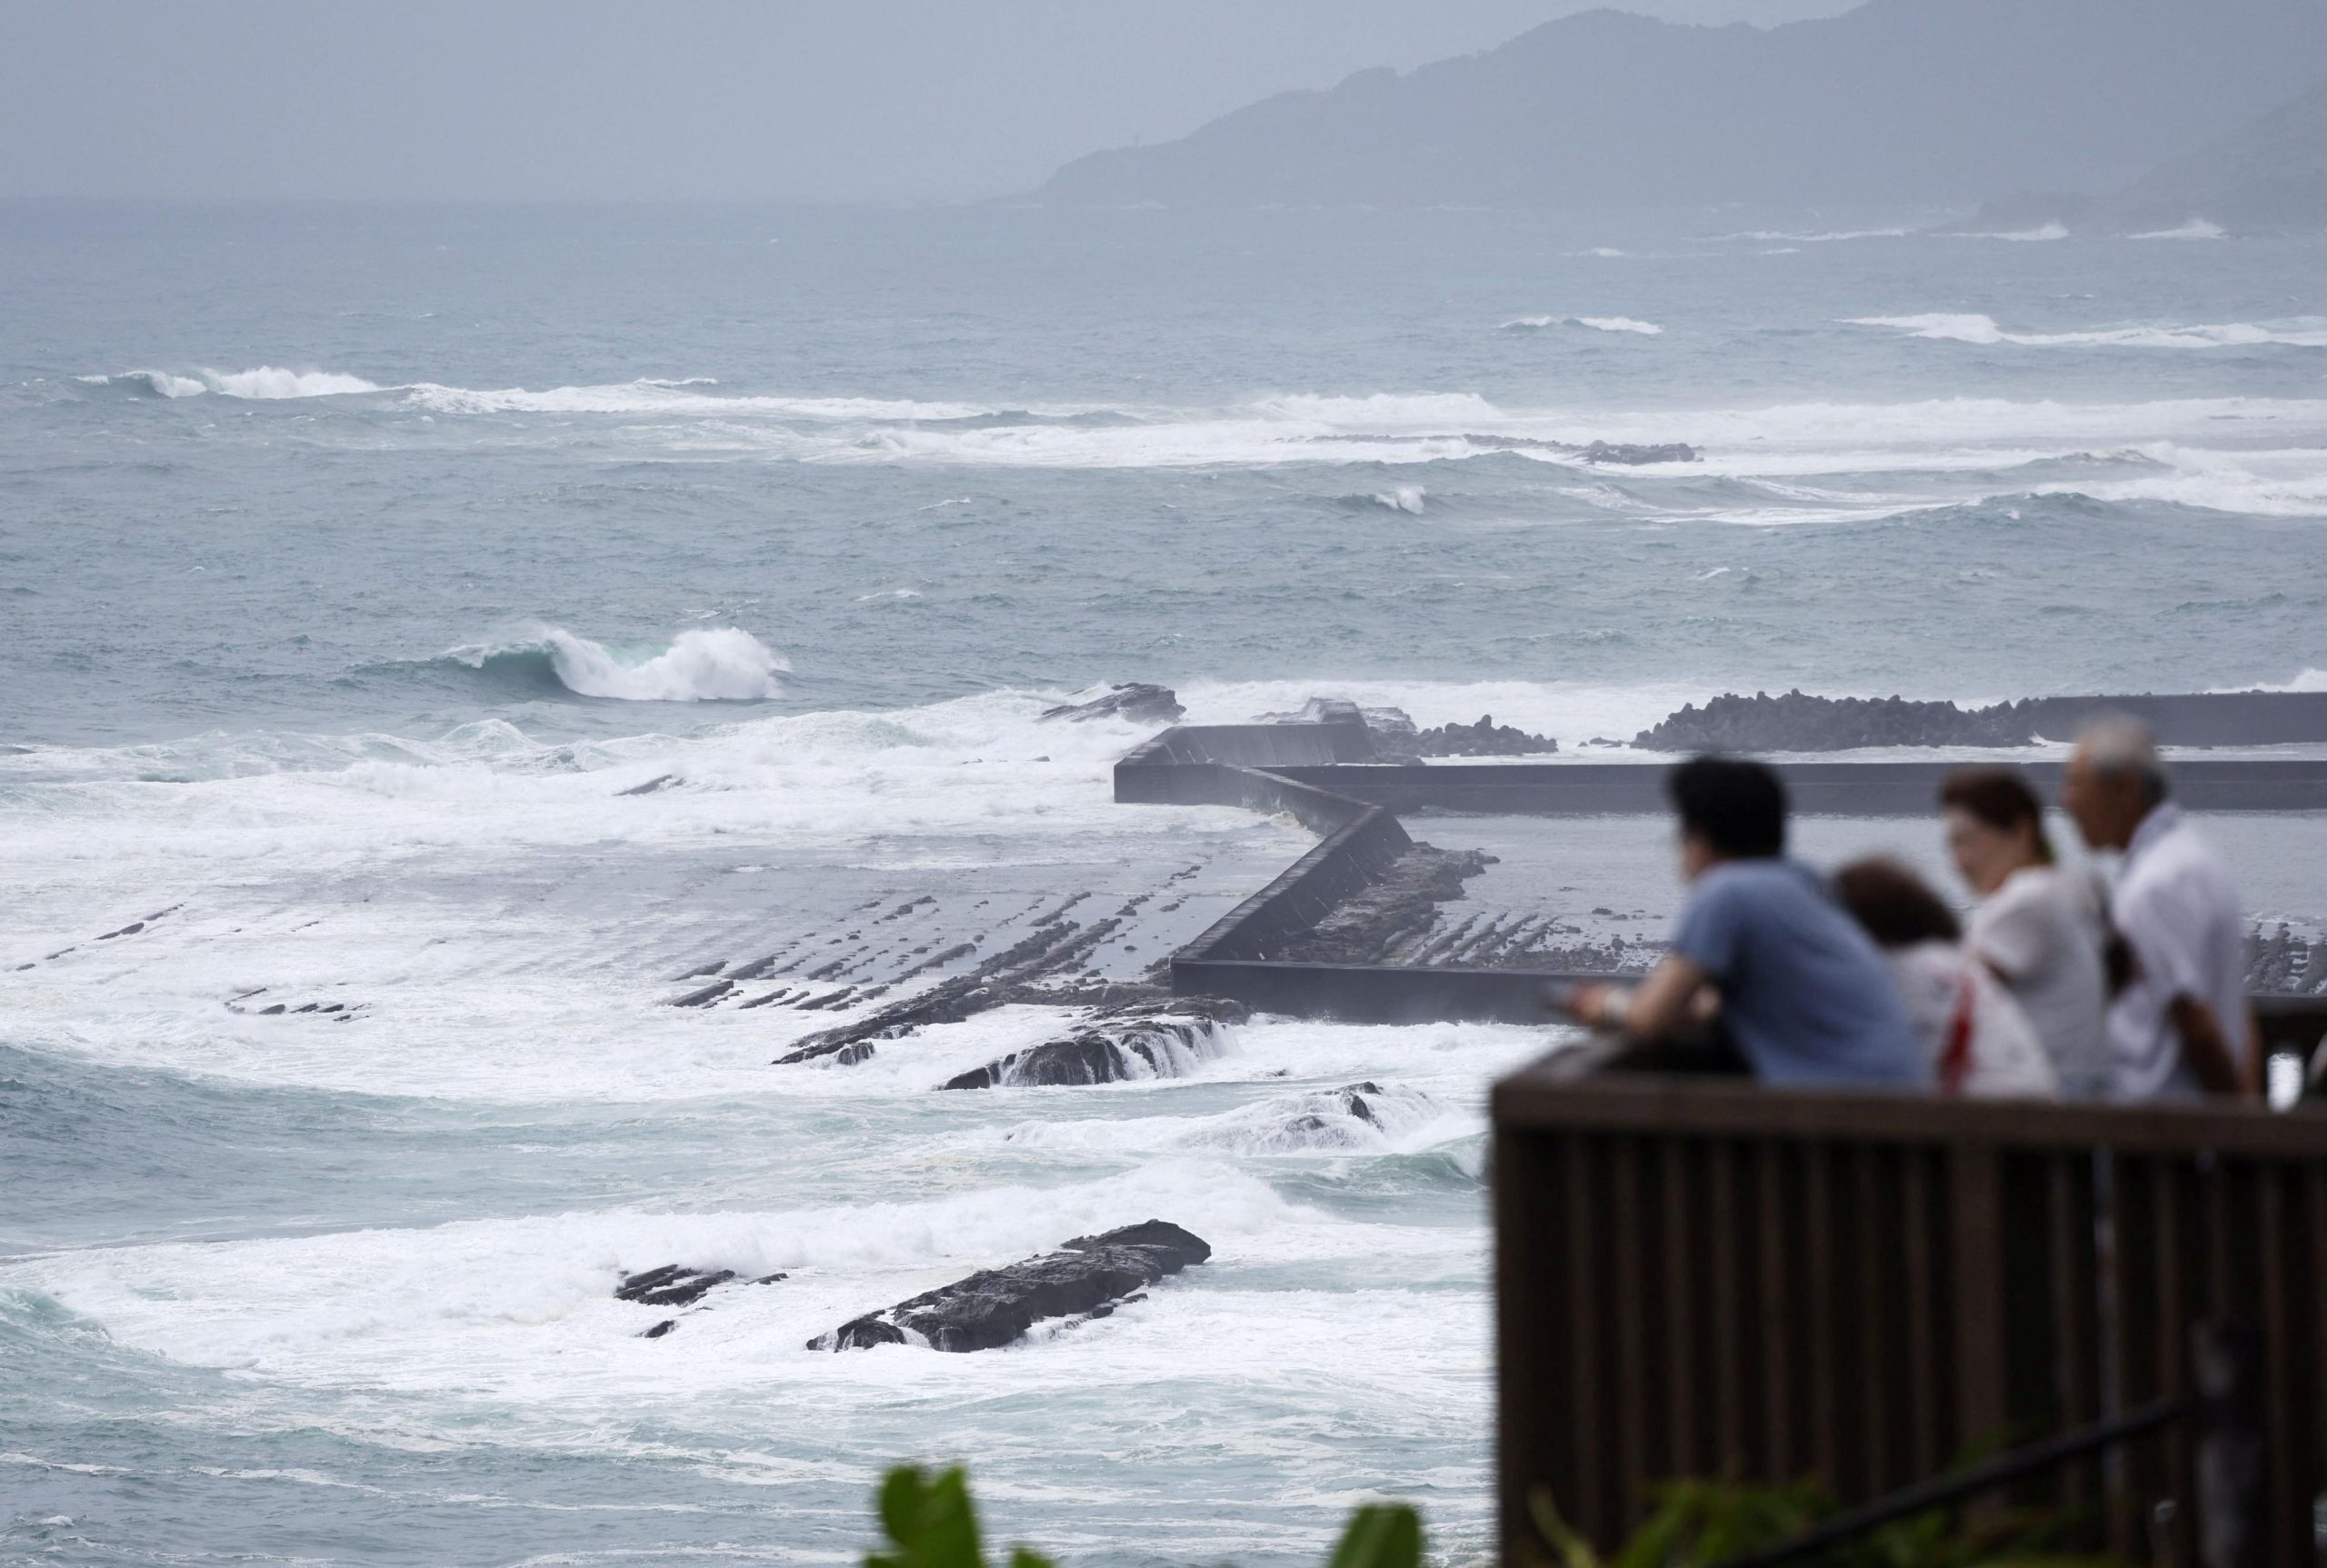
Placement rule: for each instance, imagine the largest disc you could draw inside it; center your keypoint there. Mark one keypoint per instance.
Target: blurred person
(1763, 950)
(2181, 1025)
(1975, 1035)
(2038, 928)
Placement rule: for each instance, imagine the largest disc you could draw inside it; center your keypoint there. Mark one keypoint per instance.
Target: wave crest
(1596, 323)
(722, 663)
(266, 382)
(2310, 332)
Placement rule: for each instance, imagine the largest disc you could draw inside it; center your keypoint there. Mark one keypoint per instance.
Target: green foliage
(1381, 1535)
(931, 1523)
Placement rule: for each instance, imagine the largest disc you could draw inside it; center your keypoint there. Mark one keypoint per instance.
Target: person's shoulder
(2183, 864)
(1754, 881)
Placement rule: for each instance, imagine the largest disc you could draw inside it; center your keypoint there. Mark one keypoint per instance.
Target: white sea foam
(1596, 323)
(1382, 411)
(2055, 230)
(2196, 229)
(1406, 498)
(2306, 331)
(1826, 237)
(675, 397)
(265, 381)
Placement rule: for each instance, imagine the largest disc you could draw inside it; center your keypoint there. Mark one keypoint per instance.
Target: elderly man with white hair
(2180, 1026)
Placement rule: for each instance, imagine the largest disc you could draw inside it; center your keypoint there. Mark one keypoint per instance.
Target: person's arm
(2212, 1059)
(1657, 1009)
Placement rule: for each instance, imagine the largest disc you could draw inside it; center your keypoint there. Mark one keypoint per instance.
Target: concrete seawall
(1323, 774)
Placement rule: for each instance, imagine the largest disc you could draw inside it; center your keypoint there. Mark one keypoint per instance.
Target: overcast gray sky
(873, 99)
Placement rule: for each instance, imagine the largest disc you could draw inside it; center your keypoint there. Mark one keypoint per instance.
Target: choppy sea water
(355, 561)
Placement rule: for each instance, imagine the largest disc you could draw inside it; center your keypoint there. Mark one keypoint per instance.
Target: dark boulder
(1146, 1040)
(1138, 701)
(1485, 739)
(1090, 1276)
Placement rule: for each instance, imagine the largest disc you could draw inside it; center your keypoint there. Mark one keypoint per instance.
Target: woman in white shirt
(2038, 928)
(1979, 1040)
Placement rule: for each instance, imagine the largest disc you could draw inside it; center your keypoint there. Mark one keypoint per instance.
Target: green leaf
(931, 1523)
(1574, 1551)
(1381, 1535)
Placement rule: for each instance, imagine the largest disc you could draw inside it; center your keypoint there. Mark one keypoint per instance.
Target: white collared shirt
(2176, 909)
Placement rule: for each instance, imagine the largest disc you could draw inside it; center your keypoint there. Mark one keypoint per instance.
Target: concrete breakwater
(1266, 954)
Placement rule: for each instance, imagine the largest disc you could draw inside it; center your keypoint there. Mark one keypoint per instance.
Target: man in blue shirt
(1802, 992)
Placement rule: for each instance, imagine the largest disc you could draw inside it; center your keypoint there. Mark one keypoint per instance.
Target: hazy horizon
(610, 100)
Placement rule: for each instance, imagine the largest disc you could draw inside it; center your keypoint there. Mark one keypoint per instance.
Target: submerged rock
(1632, 455)
(1353, 1116)
(1796, 723)
(672, 1285)
(675, 1285)
(1089, 1277)
(1139, 702)
(1147, 1041)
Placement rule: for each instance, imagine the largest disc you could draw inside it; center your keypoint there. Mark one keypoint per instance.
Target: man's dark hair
(1893, 904)
(1736, 806)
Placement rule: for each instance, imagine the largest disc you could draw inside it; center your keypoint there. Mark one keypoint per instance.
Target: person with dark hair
(2038, 928)
(2180, 1026)
(1978, 1040)
(1801, 993)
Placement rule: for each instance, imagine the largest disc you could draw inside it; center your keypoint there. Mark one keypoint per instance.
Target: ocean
(363, 567)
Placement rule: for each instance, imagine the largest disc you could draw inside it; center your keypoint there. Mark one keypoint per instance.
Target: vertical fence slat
(1684, 1392)
(1927, 1444)
(1975, 1198)
(1632, 1303)
(1878, 1318)
(2279, 1374)
(1587, 1510)
(2070, 1302)
(1825, 1378)
(2315, 1320)
(1728, 1312)
(2176, 1265)
(1777, 1388)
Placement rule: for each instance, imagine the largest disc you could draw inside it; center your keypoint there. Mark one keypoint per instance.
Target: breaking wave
(2196, 229)
(1817, 239)
(2310, 332)
(724, 664)
(263, 382)
(675, 397)
(1596, 323)
(1406, 498)
(2055, 230)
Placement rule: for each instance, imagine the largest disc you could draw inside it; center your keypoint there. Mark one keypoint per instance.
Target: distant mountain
(1899, 101)
(2267, 177)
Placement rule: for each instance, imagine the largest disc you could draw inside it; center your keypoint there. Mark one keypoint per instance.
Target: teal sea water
(354, 561)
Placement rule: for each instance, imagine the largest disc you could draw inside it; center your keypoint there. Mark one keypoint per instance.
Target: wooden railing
(1698, 1277)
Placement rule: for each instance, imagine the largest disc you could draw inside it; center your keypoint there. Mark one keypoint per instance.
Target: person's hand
(1597, 1006)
